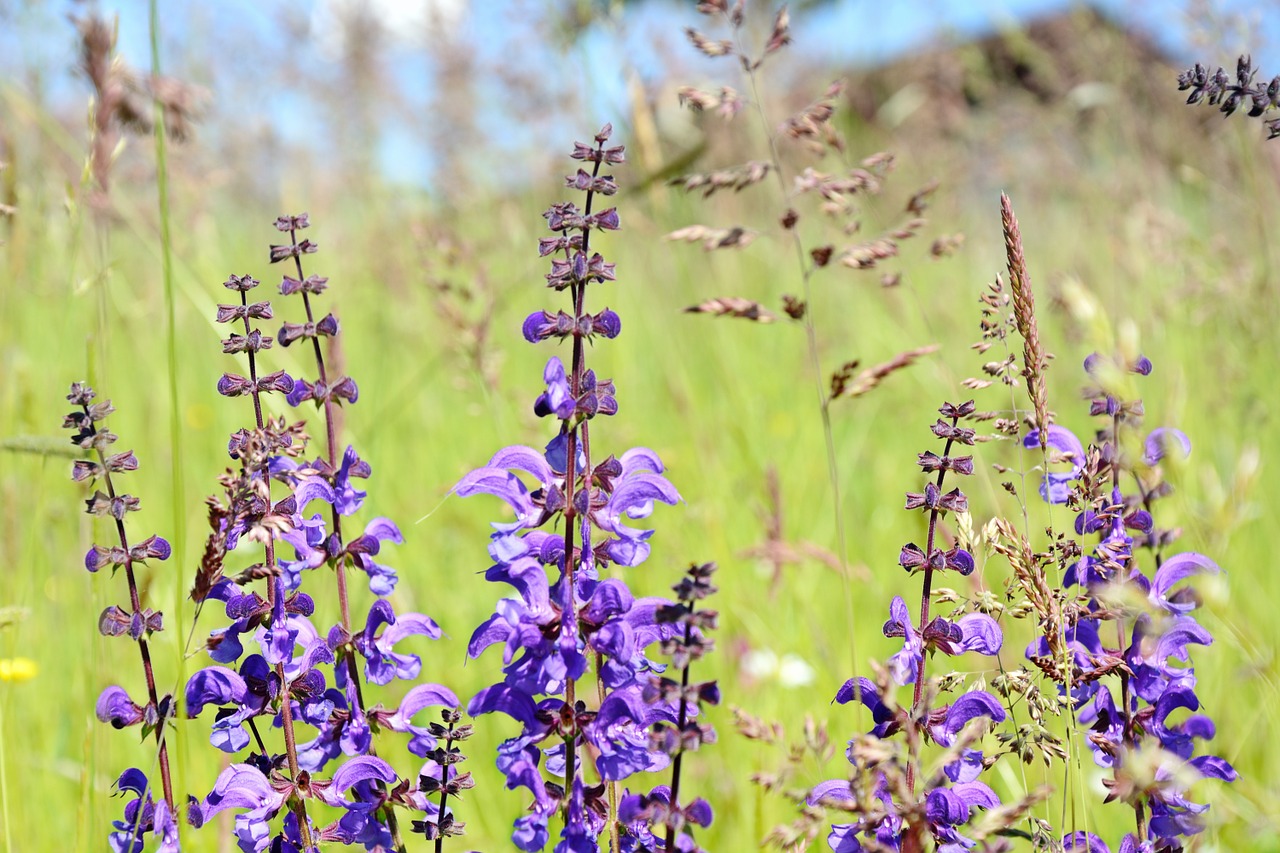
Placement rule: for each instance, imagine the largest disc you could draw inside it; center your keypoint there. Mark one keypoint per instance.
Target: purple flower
(422, 696)
(1163, 439)
(115, 707)
(347, 498)
(1055, 487)
(947, 808)
(217, 685)
(242, 787)
(498, 479)
(307, 538)
(967, 708)
(383, 664)
(382, 579)
(904, 663)
(1173, 571)
(142, 815)
(580, 829)
(557, 399)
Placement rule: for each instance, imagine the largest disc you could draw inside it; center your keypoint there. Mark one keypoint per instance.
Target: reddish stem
(924, 605)
(144, 649)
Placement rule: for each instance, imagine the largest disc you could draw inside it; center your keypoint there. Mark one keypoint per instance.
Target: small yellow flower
(17, 669)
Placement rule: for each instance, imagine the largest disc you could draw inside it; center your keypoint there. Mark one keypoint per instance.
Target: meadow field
(1143, 220)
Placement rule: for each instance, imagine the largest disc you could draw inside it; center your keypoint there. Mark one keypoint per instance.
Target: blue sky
(505, 32)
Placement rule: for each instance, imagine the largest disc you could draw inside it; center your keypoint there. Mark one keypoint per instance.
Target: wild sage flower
(1137, 732)
(559, 625)
(883, 794)
(132, 620)
(300, 676)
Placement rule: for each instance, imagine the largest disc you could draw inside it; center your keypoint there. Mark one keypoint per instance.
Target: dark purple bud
(927, 500)
(942, 630)
(115, 707)
(291, 332)
(1139, 520)
(83, 469)
(328, 326)
(538, 326)
(698, 812)
(346, 390)
(282, 253)
(954, 501)
(606, 220)
(255, 310)
(930, 461)
(80, 394)
(311, 284)
(114, 622)
(944, 430)
(960, 560)
(302, 391)
(300, 604)
(911, 556)
(122, 462)
(293, 223)
(241, 283)
(962, 410)
(607, 323)
(99, 556)
(151, 548)
(231, 385)
(252, 342)
(103, 505)
(278, 381)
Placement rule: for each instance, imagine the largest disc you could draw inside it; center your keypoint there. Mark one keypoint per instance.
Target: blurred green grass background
(1166, 216)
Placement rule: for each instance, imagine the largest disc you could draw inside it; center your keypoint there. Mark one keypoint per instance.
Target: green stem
(178, 491)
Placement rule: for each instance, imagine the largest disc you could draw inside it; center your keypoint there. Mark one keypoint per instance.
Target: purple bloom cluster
(143, 815)
(299, 676)
(948, 801)
(564, 619)
(1112, 491)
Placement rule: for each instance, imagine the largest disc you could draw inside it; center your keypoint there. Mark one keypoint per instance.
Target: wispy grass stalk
(177, 441)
